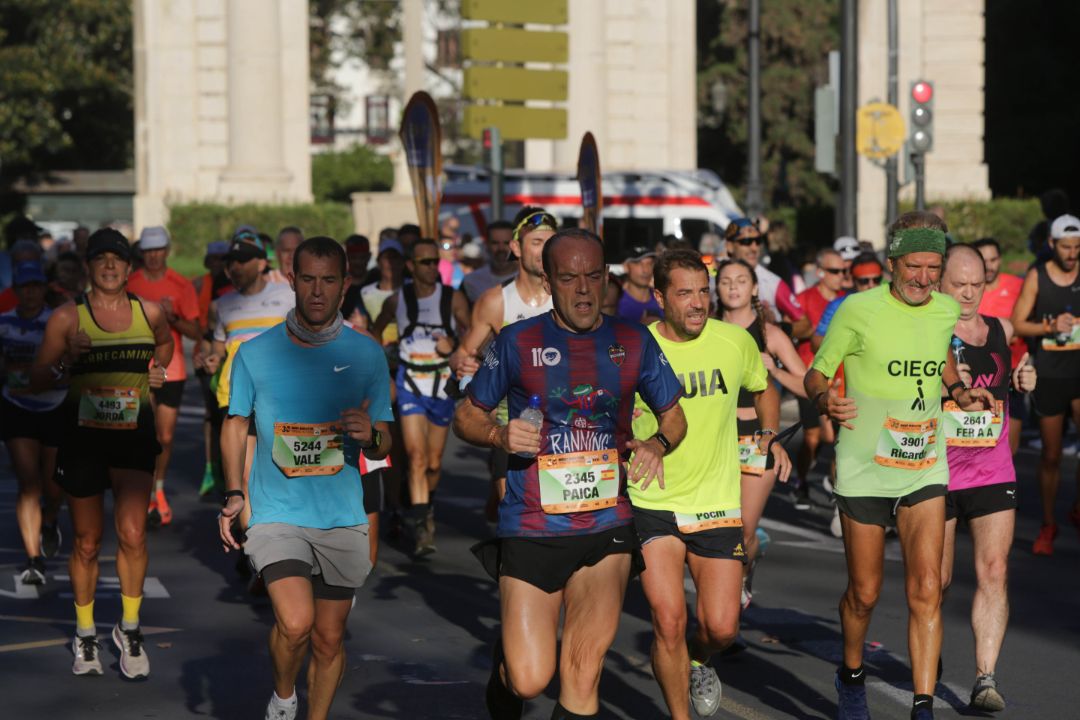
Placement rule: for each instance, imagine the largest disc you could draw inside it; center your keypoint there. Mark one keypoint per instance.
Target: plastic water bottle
(958, 350)
(1063, 338)
(464, 382)
(534, 416)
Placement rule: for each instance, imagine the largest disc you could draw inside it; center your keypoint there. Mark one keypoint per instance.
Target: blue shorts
(439, 411)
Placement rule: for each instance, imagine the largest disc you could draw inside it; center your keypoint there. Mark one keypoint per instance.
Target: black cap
(107, 240)
(638, 253)
(245, 245)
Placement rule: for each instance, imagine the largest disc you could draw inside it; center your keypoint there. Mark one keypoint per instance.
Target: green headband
(911, 240)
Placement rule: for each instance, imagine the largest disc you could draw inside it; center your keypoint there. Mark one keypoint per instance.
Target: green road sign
(517, 12)
(509, 83)
(516, 122)
(514, 46)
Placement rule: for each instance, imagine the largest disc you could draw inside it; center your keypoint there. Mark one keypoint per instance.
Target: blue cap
(217, 247)
(28, 271)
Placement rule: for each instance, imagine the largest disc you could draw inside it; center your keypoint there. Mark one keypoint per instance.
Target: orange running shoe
(163, 507)
(1044, 544)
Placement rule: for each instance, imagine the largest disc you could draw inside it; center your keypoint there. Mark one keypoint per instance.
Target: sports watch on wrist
(376, 440)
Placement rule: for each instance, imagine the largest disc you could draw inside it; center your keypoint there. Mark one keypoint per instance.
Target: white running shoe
(87, 651)
(278, 709)
(704, 690)
(134, 663)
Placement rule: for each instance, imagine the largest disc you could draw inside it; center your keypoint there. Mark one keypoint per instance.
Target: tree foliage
(343, 29)
(796, 37)
(65, 85)
(336, 175)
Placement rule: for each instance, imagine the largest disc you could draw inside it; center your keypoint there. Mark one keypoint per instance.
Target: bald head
(964, 278)
(574, 268)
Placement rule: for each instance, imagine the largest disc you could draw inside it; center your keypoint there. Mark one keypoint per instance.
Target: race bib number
(302, 449)
(696, 522)
(907, 445)
(751, 460)
(981, 428)
(578, 482)
(109, 408)
(1054, 343)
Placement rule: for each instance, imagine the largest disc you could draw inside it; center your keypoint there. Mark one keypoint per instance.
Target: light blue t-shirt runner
(305, 470)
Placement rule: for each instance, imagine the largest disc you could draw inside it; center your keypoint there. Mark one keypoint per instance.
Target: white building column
(256, 169)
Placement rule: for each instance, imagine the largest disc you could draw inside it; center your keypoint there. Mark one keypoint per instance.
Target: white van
(640, 208)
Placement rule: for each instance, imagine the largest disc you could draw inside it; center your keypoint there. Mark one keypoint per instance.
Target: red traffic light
(487, 138)
(922, 92)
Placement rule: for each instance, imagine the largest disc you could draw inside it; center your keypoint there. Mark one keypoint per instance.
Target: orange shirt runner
(180, 292)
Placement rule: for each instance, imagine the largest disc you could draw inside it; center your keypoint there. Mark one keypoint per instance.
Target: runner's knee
(87, 547)
(295, 626)
(131, 534)
(863, 596)
(719, 631)
(992, 572)
(584, 660)
(326, 643)
(924, 588)
(527, 680)
(669, 623)
(165, 434)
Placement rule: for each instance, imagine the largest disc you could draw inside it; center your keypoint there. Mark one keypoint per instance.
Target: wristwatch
(663, 441)
(376, 440)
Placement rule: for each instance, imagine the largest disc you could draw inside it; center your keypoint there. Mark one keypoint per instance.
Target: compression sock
(84, 620)
(922, 701)
(561, 713)
(852, 677)
(131, 605)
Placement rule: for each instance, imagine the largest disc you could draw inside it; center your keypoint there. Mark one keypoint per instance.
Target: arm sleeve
(241, 387)
(841, 340)
(378, 390)
(755, 377)
(657, 384)
(492, 380)
(787, 303)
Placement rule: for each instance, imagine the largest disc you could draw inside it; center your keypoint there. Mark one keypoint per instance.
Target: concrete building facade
(221, 103)
(942, 41)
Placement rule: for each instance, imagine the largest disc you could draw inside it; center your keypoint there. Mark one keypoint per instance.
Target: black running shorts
(549, 562)
(169, 394)
(82, 466)
(882, 510)
(978, 501)
(18, 422)
(724, 543)
(1054, 396)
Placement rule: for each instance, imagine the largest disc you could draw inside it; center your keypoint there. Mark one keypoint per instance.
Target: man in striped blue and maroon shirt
(565, 535)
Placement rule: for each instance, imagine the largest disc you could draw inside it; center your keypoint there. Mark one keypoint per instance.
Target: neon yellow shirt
(702, 473)
(893, 356)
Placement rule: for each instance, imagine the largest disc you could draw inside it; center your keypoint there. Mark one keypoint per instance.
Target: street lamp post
(755, 204)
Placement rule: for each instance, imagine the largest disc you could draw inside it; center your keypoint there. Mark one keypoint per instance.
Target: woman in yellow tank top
(110, 348)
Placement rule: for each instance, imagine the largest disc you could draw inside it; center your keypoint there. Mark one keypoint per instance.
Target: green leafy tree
(65, 86)
(336, 175)
(796, 37)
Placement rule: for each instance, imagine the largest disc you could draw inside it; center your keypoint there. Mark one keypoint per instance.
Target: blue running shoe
(923, 712)
(851, 701)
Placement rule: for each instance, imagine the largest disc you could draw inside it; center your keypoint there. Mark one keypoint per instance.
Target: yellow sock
(84, 617)
(131, 611)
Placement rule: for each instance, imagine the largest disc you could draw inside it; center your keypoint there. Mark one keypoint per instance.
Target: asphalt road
(420, 635)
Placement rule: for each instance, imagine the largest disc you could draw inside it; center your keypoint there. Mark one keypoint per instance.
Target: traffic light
(922, 116)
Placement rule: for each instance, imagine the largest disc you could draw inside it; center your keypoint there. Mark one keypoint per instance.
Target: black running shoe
(33, 572)
(50, 540)
(501, 703)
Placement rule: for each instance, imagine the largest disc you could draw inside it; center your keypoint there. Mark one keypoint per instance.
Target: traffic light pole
(918, 161)
(892, 181)
(755, 203)
(849, 169)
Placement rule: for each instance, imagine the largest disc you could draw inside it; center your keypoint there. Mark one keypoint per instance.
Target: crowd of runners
(633, 421)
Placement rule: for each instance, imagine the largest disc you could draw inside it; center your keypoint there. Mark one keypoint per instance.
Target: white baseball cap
(153, 238)
(1065, 226)
(847, 246)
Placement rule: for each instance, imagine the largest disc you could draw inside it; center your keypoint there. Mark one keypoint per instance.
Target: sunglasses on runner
(535, 220)
(871, 281)
(747, 241)
(427, 261)
(836, 271)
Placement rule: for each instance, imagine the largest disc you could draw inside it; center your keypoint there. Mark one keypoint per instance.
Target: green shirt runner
(893, 355)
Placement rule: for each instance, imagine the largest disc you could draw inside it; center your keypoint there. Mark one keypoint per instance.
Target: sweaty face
(915, 276)
(425, 264)
(154, 260)
(686, 301)
(992, 258)
(965, 281)
(109, 272)
(734, 287)
(1067, 252)
(530, 248)
(320, 286)
(577, 282)
(746, 246)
